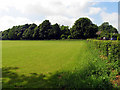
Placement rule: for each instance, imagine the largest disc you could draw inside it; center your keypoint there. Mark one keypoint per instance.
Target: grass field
(42, 56)
(39, 64)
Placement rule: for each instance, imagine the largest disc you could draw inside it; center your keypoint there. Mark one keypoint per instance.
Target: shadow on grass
(71, 79)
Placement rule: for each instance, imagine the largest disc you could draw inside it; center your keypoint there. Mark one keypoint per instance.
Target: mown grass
(52, 64)
(42, 56)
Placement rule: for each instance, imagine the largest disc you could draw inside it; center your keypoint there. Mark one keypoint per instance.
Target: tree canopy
(83, 28)
(107, 30)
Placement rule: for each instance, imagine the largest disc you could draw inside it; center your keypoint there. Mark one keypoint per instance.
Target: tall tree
(21, 30)
(36, 33)
(65, 31)
(5, 34)
(107, 30)
(0, 35)
(44, 27)
(28, 33)
(12, 35)
(83, 28)
(54, 32)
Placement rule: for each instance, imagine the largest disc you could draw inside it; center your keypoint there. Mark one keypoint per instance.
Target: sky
(63, 12)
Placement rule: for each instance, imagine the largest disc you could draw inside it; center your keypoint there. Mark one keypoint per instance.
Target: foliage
(83, 28)
(1, 35)
(44, 27)
(107, 30)
(118, 36)
(5, 34)
(15, 33)
(28, 33)
(54, 32)
(65, 32)
(110, 50)
(36, 33)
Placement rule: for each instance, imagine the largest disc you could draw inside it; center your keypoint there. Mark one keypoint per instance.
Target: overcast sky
(63, 12)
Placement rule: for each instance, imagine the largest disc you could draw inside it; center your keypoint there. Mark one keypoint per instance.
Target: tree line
(83, 28)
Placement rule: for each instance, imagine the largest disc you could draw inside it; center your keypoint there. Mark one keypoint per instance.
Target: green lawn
(42, 56)
(47, 64)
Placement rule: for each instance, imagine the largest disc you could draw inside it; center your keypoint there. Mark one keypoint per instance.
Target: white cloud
(112, 18)
(61, 11)
(25, 5)
(61, 20)
(52, 7)
(105, 0)
(9, 21)
(94, 10)
(57, 11)
(47, 7)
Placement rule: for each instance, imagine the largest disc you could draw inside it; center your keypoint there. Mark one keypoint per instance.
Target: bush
(111, 50)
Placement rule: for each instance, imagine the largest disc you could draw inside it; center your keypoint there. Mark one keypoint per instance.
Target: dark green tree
(12, 33)
(54, 32)
(28, 33)
(90, 31)
(107, 30)
(44, 27)
(36, 33)
(21, 30)
(15, 33)
(65, 32)
(0, 35)
(83, 28)
(5, 35)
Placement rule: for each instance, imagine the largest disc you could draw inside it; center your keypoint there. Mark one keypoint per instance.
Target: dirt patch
(103, 57)
(116, 81)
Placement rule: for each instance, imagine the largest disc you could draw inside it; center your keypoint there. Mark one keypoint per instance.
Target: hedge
(110, 49)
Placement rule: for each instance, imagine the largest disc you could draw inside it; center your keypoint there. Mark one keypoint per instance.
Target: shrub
(110, 49)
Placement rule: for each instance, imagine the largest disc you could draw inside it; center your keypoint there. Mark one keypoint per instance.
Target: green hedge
(108, 48)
